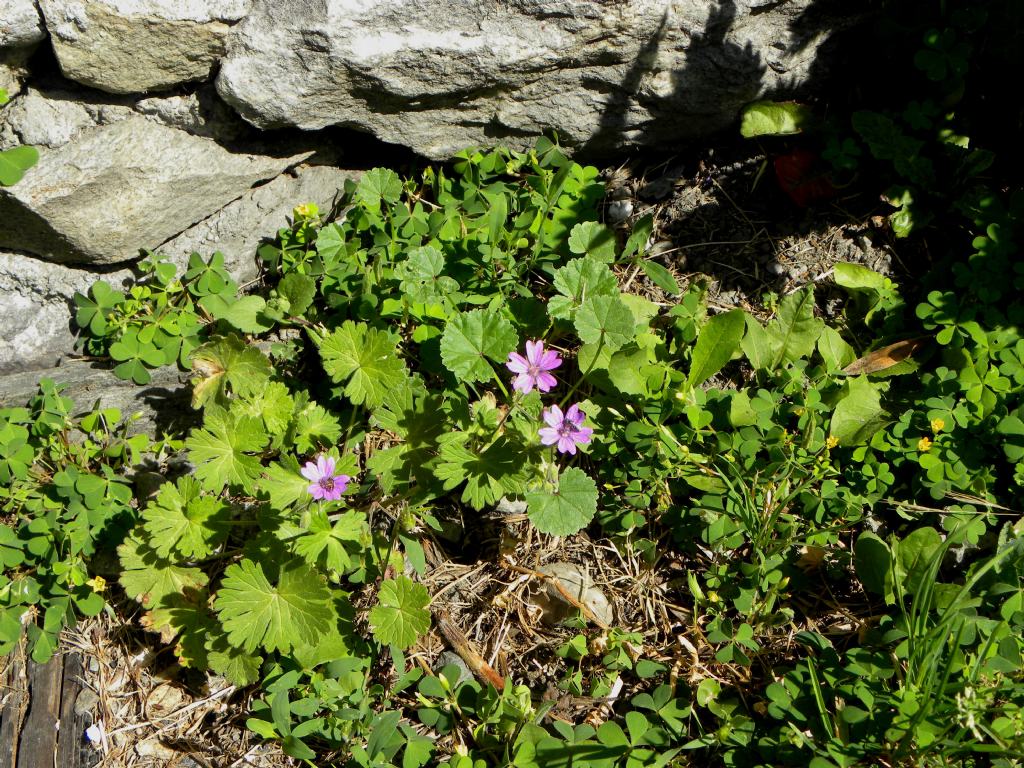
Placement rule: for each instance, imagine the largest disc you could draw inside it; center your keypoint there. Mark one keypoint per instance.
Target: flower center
(567, 429)
(327, 483)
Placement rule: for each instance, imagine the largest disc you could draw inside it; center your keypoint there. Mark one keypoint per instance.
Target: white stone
(20, 24)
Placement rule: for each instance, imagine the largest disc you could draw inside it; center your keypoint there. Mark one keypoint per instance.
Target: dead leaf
(886, 357)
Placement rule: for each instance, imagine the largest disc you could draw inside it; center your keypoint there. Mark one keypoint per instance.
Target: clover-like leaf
(256, 613)
(401, 614)
(182, 519)
(221, 450)
(243, 312)
(94, 309)
(365, 360)
(14, 162)
(136, 356)
(471, 338)
(566, 510)
(605, 319)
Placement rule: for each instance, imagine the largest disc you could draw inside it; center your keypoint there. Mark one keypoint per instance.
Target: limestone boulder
(163, 404)
(125, 186)
(437, 77)
(136, 46)
(35, 309)
(20, 24)
(36, 297)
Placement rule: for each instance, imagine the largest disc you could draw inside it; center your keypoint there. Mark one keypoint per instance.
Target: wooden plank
(72, 725)
(38, 743)
(13, 703)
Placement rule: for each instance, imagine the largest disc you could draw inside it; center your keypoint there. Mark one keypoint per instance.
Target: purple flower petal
(549, 436)
(553, 416)
(517, 363)
(523, 383)
(546, 382)
(310, 472)
(534, 351)
(550, 361)
(567, 445)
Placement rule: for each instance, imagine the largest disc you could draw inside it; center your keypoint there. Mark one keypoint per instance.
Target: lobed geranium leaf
(365, 360)
(566, 510)
(221, 450)
(257, 614)
(605, 318)
(151, 579)
(577, 281)
(470, 339)
(182, 519)
(223, 362)
(401, 614)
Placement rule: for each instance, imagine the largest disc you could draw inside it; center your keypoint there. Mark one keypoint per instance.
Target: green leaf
(367, 359)
(914, 555)
(794, 332)
(401, 614)
(221, 450)
(284, 483)
(607, 318)
(661, 277)
(420, 276)
(566, 510)
(836, 353)
(323, 544)
(182, 519)
(578, 280)
(637, 242)
(94, 309)
(376, 185)
(299, 290)
(719, 339)
(273, 405)
(774, 118)
(471, 338)
(151, 579)
(257, 614)
(14, 162)
(223, 362)
(859, 414)
(857, 277)
(756, 345)
(873, 561)
(314, 427)
(239, 667)
(243, 313)
(593, 239)
(495, 472)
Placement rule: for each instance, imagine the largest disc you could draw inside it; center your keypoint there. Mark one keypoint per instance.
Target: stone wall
(181, 125)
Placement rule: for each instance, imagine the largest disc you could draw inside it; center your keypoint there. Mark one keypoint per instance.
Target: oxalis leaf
(471, 338)
(255, 613)
(401, 614)
(14, 162)
(365, 358)
(566, 510)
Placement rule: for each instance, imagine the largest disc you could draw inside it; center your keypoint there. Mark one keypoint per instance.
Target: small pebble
(509, 506)
(657, 189)
(776, 268)
(553, 605)
(86, 701)
(619, 211)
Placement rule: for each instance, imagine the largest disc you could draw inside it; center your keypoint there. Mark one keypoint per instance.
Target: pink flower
(324, 484)
(565, 431)
(533, 369)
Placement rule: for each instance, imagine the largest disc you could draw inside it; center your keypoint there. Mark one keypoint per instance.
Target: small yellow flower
(98, 583)
(306, 211)
(832, 442)
(937, 425)
(924, 444)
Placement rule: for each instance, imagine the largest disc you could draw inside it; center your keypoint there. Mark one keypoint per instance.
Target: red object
(800, 177)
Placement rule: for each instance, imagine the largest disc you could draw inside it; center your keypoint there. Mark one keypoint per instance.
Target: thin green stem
(576, 385)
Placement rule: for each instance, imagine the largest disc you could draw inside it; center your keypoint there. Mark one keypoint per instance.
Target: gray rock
(20, 24)
(164, 403)
(437, 77)
(46, 120)
(14, 69)
(239, 228)
(121, 187)
(201, 113)
(35, 314)
(555, 608)
(134, 46)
